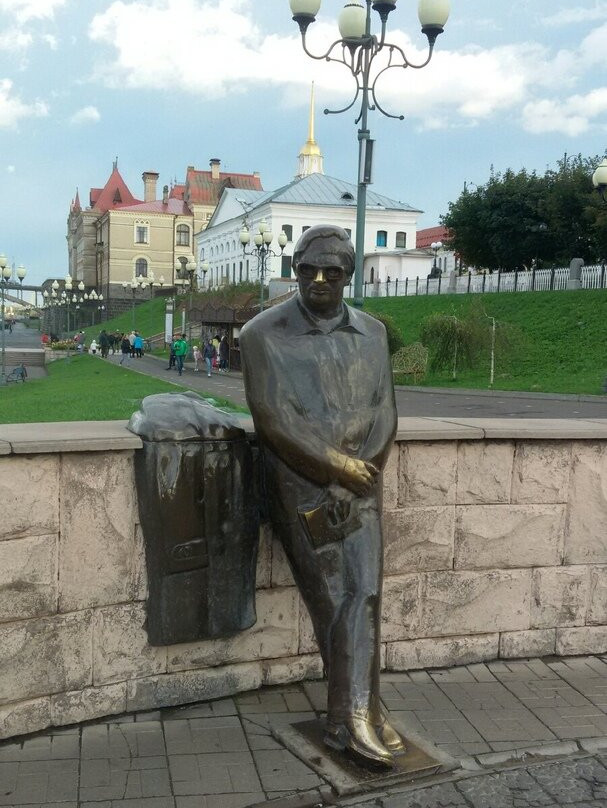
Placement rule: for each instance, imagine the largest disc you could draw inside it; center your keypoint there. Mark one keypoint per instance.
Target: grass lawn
(85, 389)
(149, 320)
(563, 338)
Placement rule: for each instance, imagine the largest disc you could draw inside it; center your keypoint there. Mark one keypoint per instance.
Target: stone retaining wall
(495, 546)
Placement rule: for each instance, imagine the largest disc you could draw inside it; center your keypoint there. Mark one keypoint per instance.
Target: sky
(163, 84)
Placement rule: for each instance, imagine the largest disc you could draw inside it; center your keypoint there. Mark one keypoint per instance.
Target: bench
(412, 360)
(17, 374)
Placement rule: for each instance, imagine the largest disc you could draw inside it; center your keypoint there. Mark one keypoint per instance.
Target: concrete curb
(447, 391)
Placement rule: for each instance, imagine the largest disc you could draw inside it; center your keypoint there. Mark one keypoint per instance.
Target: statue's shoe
(390, 737)
(358, 736)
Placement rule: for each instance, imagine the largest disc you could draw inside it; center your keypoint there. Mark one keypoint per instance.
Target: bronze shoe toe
(358, 737)
(391, 738)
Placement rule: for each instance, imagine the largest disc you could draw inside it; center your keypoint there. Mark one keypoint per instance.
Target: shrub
(395, 338)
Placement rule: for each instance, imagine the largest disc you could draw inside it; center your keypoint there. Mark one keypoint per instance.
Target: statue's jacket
(312, 392)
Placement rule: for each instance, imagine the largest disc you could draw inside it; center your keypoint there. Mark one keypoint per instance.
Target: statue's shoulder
(270, 321)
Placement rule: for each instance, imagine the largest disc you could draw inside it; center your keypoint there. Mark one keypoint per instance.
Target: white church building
(311, 198)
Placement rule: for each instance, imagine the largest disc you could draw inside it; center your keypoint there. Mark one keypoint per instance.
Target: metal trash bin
(200, 519)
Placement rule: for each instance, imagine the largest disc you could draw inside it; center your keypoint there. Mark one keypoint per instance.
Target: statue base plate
(346, 776)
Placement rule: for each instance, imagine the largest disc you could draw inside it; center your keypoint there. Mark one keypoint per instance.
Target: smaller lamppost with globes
(599, 178)
(262, 250)
(136, 283)
(5, 277)
(436, 246)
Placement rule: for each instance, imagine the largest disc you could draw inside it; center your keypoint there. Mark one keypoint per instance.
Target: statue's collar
(346, 320)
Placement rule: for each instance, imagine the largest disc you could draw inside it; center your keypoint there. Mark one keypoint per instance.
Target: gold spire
(310, 155)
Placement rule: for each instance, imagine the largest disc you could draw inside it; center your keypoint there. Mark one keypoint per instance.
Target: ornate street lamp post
(599, 179)
(5, 276)
(262, 250)
(435, 247)
(358, 49)
(137, 282)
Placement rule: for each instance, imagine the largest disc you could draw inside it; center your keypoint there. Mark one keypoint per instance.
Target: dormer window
(347, 196)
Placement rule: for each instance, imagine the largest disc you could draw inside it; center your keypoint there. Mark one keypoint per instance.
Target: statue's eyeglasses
(330, 273)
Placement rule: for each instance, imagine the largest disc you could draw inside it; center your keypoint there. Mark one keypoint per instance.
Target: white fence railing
(536, 280)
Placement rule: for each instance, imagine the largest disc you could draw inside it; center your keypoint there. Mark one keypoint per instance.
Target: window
(285, 266)
(348, 231)
(401, 239)
(288, 230)
(305, 227)
(347, 196)
(142, 233)
(382, 239)
(141, 268)
(183, 235)
(372, 278)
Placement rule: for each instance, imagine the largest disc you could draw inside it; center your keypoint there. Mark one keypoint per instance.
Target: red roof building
(431, 235)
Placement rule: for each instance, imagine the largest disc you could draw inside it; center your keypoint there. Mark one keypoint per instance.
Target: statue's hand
(358, 475)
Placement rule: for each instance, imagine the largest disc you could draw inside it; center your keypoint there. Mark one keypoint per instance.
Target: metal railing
(534, 280)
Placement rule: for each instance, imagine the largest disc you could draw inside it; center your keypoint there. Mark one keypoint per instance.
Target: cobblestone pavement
(546, 718)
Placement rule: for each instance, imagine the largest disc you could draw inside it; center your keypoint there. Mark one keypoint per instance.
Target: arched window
(183, 235)
(141, 268)
(401, 239)
(382, 239)
(212, 252)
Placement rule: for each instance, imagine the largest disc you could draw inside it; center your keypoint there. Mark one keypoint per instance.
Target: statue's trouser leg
(341, 586)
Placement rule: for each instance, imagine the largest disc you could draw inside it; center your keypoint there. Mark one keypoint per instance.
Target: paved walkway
(509, 734)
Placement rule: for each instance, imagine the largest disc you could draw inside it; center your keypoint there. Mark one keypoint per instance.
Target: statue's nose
(320, 276)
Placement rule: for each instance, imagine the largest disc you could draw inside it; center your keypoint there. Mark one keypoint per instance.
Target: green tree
(520, 219)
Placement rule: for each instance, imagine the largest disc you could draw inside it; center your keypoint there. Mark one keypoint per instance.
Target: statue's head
(323, 262)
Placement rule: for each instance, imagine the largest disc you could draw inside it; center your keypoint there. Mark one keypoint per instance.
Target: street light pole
(357, 50)
(5, 276)
(262, 250)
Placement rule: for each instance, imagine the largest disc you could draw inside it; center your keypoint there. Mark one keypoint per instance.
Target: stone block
(597, 600)
(428, 473)
(585, 534)
(263, 573)
(400, 608)
(508, 536)
(120, 645)
(417, 539)
(307, 638)
(541, 472)
(87, 704)
(25, 717)
(29, 492)
(185, 687)
(581, 641)
(28, 577)
(44, 656)
(293, 669)
(281, 571)
(441, 652)
(527, 644)
(97, 548)
(275, 634)
(474, 602)
(484, 471)
(559, 596)
(391, 478)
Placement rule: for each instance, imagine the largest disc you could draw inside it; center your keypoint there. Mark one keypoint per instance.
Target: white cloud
(24, 10)
(10, 169)
(572, 116)
(14, 39)
(88, 114)
(13, 109)
(569, 16)
(51, 41)
(222, 50)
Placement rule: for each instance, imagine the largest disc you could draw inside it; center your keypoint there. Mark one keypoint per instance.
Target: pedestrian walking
(104, 343)
(93, 347)
(224, 354)
(81, 341)
(209, 354)
(197, 357)
(131, 339)
(181, 350)
(172, 353)
(138, 345)
(125, 348)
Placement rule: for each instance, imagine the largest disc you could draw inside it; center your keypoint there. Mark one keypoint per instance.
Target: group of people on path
(215, 353)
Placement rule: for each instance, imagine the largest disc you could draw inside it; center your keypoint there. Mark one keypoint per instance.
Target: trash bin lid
(183, 417)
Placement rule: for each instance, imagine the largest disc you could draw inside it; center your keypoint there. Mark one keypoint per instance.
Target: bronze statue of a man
(319, 386)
